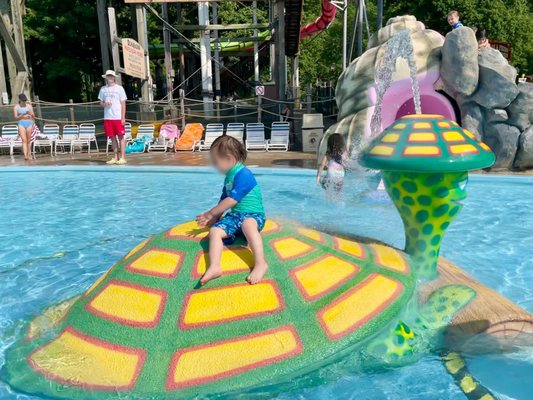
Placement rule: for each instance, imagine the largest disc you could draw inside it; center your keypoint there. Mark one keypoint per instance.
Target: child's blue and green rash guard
(241, 186)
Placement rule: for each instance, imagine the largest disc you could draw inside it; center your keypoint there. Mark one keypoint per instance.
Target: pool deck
(290, 159)
(261, 159)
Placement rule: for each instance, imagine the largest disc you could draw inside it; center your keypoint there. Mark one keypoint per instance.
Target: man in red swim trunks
(113, 98)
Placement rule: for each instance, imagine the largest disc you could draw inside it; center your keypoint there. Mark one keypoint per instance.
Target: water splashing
(398, 46)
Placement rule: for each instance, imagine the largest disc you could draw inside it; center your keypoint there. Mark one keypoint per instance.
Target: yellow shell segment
(232, 260)
(189, 230)
(129, 304)
(350, 247)
(290, 247)
(422, 137)
(163, 263)
(389, 258)
(229, 303)
(421, 151)
(270, 227)
(322, 276)
(391, 138)
(310, 234)
(79, 360)
(463, 149)
(453, 136)
(382, 150)
(358, 306)
(205, 363)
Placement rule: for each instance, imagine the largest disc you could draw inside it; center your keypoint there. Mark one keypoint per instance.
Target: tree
(506, 21)
(64, 46)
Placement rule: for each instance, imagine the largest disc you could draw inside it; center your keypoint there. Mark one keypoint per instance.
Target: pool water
(62, 227)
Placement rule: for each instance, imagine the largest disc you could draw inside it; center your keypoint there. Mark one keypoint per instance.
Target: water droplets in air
(398, 46)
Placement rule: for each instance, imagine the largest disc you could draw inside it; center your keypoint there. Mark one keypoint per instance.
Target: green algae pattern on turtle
(145, 329)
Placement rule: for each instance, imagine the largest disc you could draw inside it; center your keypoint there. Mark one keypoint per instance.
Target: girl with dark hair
(334, 160)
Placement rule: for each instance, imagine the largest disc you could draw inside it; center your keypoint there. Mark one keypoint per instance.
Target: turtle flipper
(470, 386)
(444, 304)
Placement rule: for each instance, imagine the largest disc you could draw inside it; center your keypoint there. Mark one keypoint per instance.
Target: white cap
(109, 72)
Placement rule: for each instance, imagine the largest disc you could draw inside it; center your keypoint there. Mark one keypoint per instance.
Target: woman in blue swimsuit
(23, 113)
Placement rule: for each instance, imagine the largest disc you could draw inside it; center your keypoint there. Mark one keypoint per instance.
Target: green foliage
(65, 50)
(63, 43)
(504, 20)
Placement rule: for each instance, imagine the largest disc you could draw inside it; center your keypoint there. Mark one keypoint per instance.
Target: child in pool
(335, 158)
(453, 19)
(239, 212)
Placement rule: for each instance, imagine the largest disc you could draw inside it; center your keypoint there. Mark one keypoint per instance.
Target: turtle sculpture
(146, 329)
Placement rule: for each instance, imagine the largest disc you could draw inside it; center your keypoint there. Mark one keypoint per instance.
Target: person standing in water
(113, 98)
(23, 112)
(334, 159)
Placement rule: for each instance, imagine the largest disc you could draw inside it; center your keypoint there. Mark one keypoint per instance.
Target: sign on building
(134, 59)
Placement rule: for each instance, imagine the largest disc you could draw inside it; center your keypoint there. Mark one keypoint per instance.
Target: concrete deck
(262, 159)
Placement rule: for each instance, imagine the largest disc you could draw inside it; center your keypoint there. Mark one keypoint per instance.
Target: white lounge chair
(279, 137)
(255, 136)
(168, 134)
(87, 135)
(146, 132)
(47, 138)
(10, 138)
(68, 137)
(236, 130)
(127, 137)
(212, 132)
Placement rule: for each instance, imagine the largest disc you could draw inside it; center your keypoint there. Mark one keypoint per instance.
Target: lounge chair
(10, 138)
(236, 130)
(69, 135)
(255, 136)
(146, 132)
(46, 138)
(168, 133)
(279, 137)
(212, 132)
(127, 138)
(190, 137)
(86, 136)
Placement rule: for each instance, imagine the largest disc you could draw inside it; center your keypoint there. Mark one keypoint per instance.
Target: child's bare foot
(213, 272)
(257, 273)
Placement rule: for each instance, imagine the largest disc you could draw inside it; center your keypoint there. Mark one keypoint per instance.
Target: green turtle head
(425, 161)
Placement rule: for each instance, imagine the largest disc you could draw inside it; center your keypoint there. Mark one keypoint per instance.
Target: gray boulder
(503, 140)
(496, 86)
(521, 109)
(394, 25)
(497, 115)
(459, 68)
(472, 118)
(524, 155)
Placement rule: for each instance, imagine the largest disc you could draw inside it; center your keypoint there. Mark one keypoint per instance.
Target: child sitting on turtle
(239, 212)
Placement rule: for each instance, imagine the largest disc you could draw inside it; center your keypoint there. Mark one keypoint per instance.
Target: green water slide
(158, 50)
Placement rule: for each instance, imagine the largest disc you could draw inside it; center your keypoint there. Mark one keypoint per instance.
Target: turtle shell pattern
(146, 328)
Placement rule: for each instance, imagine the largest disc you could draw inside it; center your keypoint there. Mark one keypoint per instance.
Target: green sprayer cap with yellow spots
(426, 143)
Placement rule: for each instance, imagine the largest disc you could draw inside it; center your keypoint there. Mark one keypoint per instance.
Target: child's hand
(206, 219)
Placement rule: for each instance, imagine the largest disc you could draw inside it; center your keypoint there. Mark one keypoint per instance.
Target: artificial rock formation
(482, 83)
(499, 111)
(356, 93)
(459, 69)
